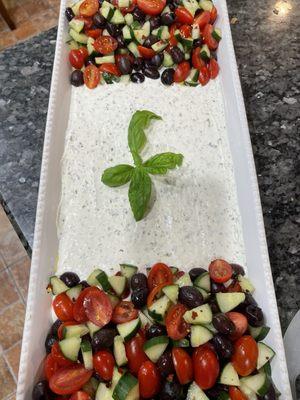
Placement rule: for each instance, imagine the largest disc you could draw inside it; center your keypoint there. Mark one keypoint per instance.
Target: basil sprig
(140, 186)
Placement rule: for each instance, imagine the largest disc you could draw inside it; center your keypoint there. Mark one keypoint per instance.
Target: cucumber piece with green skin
(92, 328)
(229, 376)
(177, 35)
(128, 329)
(145, 320)
(132, 47)
(180, 46)
(247, 392)
(118, 283)
(76, 24)
(191, 5)
(265, 354)
(200, 335)
(159, 308)
(206, 5)
(74, 292)
(259, 333)
(91, 387)
(173, 269)
(192, 79)
(57, 286)
(184, 280)
(228, 301)
(205, 53)
(110, 78)
(100, 278)
(245, 284)
(117, 18)
(103, 392)
(163, 33)
(139, 36)
(259, 383)
(115, 378)
(267, 369)
(155, 347)
(113, 299)
(75, 330)
(87, 354)
(70, 347)
(195, 393)
(172, 292)
(168, 62)
(105, 59)
(128, 36)
(223, 396)
(136, 25)
(160, 46)
(128, 270)
(187, 44)
(203, 281)
(200, 315)
(75, 7)
(180, 343)
(127, 388)
(78, 37)
(128, 19)
(90, 45)
(147, 315)
(119, 351)
(107, 10)
(217, 34)
(204, 293)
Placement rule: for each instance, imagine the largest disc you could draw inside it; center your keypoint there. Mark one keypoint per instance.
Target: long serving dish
(45, 250)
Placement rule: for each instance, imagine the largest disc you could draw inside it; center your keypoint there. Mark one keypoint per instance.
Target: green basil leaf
(136, 134)
(161, 163)
(118, 175)
(139, 193)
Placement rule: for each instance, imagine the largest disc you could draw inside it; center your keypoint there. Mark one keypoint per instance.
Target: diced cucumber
(75, 330)
(87, 354)
(245, 284)
(180, 46)
(147, 315)
(259, 333)
(210, 327)
(128, 35)
(92, 328)
(187, 55)
(180, 343)
(132, 47)
(90, 45)
(195, 31)
(205, 53)
(78, 37)
(118, 283)
(107, 10)
(187, 44)
(57, 286)
(146, 28)
(155, 347)
(139, 36)
(206, 5)
(125, 79)
(136, 25)
(128, 270)
(159, 308)
(123, 3)
(103, 392)
(184, 280)
(128, 329)
(247, 392)
(228, 301)
(177, 35)
(259, 383)
(174, 269)
(129, 19)
(105, 59)
(167, 61)
(204, 293)
(145, 321)
(195, 393)
(217, 34)
(105, 33)
(74, 292)
(127, 388)
(165, 10)
(200, 335)
(91, 387)
(192, 79)
(72, 44)
(203, 281)
(75, 6)
(199, 315)
(223, 396)
(117, 18)
(229, 376)
(70, 347)
(92, 280)
(191, 5)
(119, 351)
(159, 46)
(171, 291)
(115, 378)
(265, 354)
(99, 278)
(267, 369)
(163, 32)
(113, 299)
(76, 24)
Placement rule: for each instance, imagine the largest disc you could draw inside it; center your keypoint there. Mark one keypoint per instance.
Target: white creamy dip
(195, 215)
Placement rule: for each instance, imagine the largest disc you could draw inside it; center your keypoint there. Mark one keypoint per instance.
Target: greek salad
(128, 40)
(162, 335)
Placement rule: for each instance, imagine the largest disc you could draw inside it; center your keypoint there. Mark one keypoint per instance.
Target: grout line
(10, 370)
(4, 309)
(16, 286)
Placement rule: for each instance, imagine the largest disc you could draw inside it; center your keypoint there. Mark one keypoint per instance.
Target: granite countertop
(265, 36)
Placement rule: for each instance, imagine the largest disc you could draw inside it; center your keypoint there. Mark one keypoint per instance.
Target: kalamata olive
(103, 338)
(77, 78)
(99, 21)
(121, 42)
(190, 297)
(167, 77)
(237, 269)
(70, 279)
(254, 315)
(90, 60)
(41, 391)
(49, 342)
(168, 18)
(138, 64)
(139, 297)
(270, 395)
(216, 391)
(171, 390)
(217, 287)
(197, 43)
(223, 324)
(113, 29)
(54, 327)
(177, 55)
(249, 300)
(84, 284)
(138, 15)
(124, 65)
(137, 77)
(154, 22)
(195, 272)
(150, 41)
(165, 364)
(214, 305)
(138, 281)
(155, 330)
(223, 346)
(151, 73)
(147, 64)
(157, 59)
(69, 14)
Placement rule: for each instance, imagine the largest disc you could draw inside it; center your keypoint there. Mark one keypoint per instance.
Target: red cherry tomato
(197, 61)
(60, 331)
(149, 380)
(69, 380)
(245, 355)
(154, 292)
(110, 68)
(145, 52)
(208, 38)
(183, 15)
(88, 21)
(173, 41)
(182, 71)
(94, 33)
(160, 273)
(176, 326)
(88, 8)
(63, 307)
(220, 271)
(234, 287)
(124, 312)
(135, 353)
(151, 7)
(76, 58)
(206, 367)
(80, 396)
(183, 365)
(236, 394)
(203, 75)
(202, 19)
(84, 52)
(213, 68)
(98, 307)
(213, 15)
(79, 311)
(185, 30)
(240, 323)
(58, 356)
(105, 44)
(50, 366)
(104, 363)
(91, 76)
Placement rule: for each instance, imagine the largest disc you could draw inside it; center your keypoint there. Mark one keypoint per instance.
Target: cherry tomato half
(202, 19)
(110, 68)
(149, 380)
(76, 58)
(220, 271)
(186, 31)
(151, 7)
(63, 307)
(203, 75)
(69, 380)
(124, 312)
(206, 367)
(240, 323)
(182, 71)
(183, 365)
(213, 15)
(160, 273)
(80, 396)
(208, 38)
(94, 33)
(91, 77)
(60, 331)
(173, 41)
(105, 44)
(245, 355)
(236, 394)
(50, 366)
(79, 311)
(58, 356)
(88, 21)
(234, 287)
(183, 15)
(104, 363)
(135, 353)
(176, 326)
(98, 307)
(154, 292)
(88, 8)
(197, 61)
(145, 52)
(213, 68)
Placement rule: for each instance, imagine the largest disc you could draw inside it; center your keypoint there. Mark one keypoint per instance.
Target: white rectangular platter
(38, 317)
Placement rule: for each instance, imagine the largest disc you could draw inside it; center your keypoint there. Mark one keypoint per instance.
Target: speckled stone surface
(266, 37)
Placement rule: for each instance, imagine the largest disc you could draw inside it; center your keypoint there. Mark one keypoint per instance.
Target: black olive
(139, 297)
(41, 391)
(154, 22)
(165, 364)
(49, 342)
(249, 300)
(197, 42)
(103, 338)
(237, 269)
(217, 287)
(70, 279)
(167, 77)
(69, 14)
(77, 78)
(270, 395)
(113, 29)
(151, 73)
(157, 59)
(217, 391)
(138, 15)
(190, 297)
(171, 390)
(54, 327)
(138, 64)
(223, 324)
(254, 315)
(84, 284)
(168, 18)
(120, 40)
(177, 55)
(172, 7)
(214, 305)
(195, 272)
(99, 21)
(137, 77)
(155, 330)
(150, 41)
(138, 281)
(223, 346)
(90, 60)
(124, 65)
